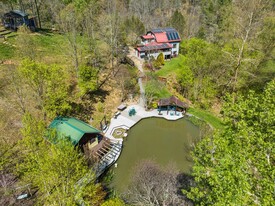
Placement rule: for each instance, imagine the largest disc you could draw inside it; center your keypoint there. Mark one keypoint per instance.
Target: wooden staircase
(107, 154)
(3, 33)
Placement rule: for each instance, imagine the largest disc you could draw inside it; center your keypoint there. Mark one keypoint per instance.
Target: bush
(160, 59)
(156, 64)
(114, 202)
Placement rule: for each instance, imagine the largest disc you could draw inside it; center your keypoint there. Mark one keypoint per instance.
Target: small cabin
(90, 140)
(16, 18)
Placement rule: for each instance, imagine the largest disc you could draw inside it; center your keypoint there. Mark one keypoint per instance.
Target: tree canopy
(76, 63)
(58, 171)
(236, 166)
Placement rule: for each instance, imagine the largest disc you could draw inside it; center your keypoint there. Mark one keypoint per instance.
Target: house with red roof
(158, 41)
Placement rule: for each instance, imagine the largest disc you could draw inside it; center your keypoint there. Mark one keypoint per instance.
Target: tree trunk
(38, 14)
(240, 55)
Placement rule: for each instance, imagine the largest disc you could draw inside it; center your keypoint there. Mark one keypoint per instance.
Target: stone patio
(123, 120)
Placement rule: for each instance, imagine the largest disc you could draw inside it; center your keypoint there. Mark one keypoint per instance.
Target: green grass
(50, 46)
(53, 44)
(172, 66)
(119, 133)
(175, 66)
(207, 116)
(6, 51)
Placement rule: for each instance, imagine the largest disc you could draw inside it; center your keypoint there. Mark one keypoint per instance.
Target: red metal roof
(147, 37)
(161, 37)
(165, 35)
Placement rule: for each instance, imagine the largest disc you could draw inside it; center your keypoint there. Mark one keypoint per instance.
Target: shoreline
(123, 120)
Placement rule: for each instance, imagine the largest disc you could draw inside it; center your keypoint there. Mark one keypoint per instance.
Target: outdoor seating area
(116, 114)
(172, 106)
(121, 107)
(132, 112)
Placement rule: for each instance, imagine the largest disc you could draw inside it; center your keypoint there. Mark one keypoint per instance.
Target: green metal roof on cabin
(72, 128)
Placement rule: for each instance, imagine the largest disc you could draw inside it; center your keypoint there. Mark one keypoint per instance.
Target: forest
(76, 64)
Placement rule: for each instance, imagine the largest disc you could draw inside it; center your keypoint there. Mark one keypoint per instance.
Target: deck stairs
(3, 31)
(3, 35)
(109, 156)
(109, 153)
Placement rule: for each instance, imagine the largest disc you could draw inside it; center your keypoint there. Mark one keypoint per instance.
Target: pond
(158, 139)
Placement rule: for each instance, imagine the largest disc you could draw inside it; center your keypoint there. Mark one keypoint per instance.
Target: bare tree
(18, 89)
(68, 21)
(153, 185)
(26, 44)
(110, 24)
(246, 18)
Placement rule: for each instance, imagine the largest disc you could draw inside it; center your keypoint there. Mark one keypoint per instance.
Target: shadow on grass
(84, 109)
(46, 32)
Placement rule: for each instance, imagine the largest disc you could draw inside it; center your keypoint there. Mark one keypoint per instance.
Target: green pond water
(158, 139)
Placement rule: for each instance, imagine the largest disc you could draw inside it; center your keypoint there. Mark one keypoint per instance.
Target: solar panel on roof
(177, 36)
(172, 36)
(156, 30)
(169, 29)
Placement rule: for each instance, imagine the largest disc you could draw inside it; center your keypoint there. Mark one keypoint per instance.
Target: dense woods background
(75, 65)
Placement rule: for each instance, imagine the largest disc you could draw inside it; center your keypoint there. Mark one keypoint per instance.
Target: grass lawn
(49, 47)
(207, 116)
(172, 66)
(6, 51)
(51, 44)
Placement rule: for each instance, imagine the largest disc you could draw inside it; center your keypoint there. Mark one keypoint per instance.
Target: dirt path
(138, 63)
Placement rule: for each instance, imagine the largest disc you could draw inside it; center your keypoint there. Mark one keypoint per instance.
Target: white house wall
(176, 49)
(144, 42)
(155, 55)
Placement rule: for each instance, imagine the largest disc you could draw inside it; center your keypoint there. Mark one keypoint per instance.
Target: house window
(92, 140)
(174, 45)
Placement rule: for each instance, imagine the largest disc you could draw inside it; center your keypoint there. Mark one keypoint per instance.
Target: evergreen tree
(134, 27)
(160, 59)
(177, 21)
